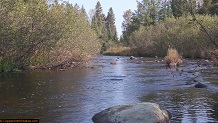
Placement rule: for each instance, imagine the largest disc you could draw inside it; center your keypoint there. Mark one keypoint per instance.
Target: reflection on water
(188, 105)
(75, 95)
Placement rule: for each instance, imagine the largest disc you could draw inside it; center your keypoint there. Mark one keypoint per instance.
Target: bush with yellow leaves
(173, 58)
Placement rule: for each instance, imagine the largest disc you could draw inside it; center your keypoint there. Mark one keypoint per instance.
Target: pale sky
(119, 6)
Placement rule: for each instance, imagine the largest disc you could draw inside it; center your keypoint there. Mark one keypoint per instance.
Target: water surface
(75, 95)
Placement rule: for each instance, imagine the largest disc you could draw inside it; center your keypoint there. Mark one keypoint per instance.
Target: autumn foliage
(43, 34)
(173, 58)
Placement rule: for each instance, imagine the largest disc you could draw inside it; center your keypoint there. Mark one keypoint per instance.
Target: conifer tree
(111, 28)
(165, 10)
(83, 12)
(209, 7)
(179, 7)
(99, 25)
(147, 11)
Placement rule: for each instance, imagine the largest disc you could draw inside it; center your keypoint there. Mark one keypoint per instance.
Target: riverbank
(134, 51)
(129, 51)
(11, 68)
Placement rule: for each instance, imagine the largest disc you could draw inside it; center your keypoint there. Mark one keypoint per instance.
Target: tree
(98, 20)
(213, 7)
(213, 10)
(128, 19)
(83, 12)
(99, 25)
(179, 8)
(110, 25)
(76, 6)
(203, 27)
(35, 33)
(165, 10)
(148, 11)
(208, 7)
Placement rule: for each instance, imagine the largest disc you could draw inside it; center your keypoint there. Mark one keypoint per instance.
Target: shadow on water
(75, 95)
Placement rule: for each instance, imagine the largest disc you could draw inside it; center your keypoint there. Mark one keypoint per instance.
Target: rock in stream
(136, 113)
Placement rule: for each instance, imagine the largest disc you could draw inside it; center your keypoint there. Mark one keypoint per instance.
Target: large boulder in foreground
(138, 113)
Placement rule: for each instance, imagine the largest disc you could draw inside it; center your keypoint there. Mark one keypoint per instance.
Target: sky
(119, 6)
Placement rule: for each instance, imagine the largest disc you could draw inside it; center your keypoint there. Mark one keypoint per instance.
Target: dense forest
(51, 33)
(190, 26)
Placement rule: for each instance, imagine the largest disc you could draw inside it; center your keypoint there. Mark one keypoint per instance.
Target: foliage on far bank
(43, 33)
(183, 34)
(183, 24)
(120, 50)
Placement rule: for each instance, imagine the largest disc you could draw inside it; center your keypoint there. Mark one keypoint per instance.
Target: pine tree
(192, 6)
(98, 20)
(76, 6)
(209, 7)
(98, 24)
(83, 12)
(179, 7)
(165, 10)
(148, 11)
(111, 28)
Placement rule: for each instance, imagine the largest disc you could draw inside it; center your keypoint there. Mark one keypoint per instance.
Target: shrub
(183, 34)
(173, 58)
(43, 34)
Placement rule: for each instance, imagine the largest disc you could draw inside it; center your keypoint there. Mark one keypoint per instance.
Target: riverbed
(74, 95)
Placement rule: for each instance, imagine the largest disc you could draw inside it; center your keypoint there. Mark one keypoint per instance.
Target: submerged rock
(189, 83)
(138, 113)
(113, 62)
(132, 57)
(200, 85)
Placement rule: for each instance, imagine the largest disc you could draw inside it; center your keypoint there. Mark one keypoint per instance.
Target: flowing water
(75, 95)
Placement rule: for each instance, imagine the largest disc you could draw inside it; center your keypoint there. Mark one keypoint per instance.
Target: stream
(75, 95)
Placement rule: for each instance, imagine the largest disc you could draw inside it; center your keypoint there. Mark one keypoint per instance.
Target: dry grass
(119, 50)
(173, 58)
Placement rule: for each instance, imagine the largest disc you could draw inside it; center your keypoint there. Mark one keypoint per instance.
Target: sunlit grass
(120, 51)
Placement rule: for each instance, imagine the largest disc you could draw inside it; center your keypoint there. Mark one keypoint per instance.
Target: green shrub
(183, 34)
(41, 34)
